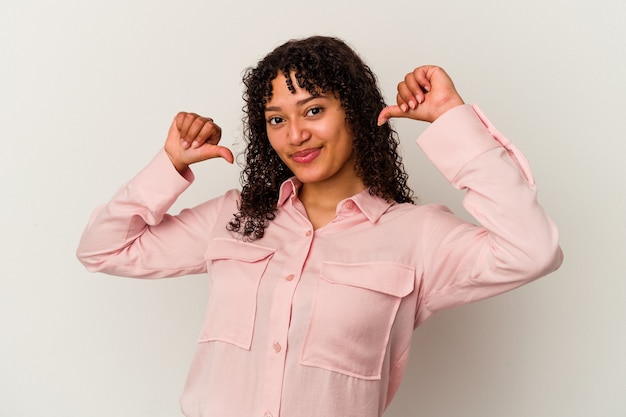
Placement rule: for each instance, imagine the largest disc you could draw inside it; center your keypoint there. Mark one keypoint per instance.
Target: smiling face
(311, 136)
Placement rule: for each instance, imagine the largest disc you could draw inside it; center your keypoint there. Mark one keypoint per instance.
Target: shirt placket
(280, 316)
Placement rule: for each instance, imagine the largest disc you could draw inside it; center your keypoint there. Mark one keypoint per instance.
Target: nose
(298, 132)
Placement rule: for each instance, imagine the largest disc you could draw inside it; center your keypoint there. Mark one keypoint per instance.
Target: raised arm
(132, 235)
(515, 241)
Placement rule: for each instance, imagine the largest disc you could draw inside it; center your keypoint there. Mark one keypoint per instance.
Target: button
(349, 205)
(308, 233)
(277, 347)
(290, 277)
(268, 414)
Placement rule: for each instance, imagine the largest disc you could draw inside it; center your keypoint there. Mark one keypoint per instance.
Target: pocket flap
(238, 250)
(385, 277)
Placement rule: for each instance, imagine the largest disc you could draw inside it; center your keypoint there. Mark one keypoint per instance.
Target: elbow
(543, 257)
(92, 260)
(549, 261)
(88, 261)
(528, 259)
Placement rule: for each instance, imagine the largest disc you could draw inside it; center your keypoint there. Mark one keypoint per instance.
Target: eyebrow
(299, 103)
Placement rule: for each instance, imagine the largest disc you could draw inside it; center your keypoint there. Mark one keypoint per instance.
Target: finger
(210, 133)
(405, 95)
(201, 130)
(389, 112)
(422, 76)
(226, 154)
(197, 126)
(186, 124)
(183, 122)
(406, 100)
(214, 151)
(411, 91)
(175, 134)
(401, 103)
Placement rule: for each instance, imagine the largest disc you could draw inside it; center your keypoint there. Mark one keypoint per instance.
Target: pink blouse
(318, 323)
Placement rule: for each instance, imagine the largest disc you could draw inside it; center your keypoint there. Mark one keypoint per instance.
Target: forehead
(286, 90)
(294, 83)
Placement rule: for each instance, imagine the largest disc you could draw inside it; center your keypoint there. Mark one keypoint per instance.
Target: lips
(305, 156)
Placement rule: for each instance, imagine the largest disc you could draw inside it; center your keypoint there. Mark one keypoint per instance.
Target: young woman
(321, 266)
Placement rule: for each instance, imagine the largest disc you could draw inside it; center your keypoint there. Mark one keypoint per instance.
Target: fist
(425, 94)
(193, 138)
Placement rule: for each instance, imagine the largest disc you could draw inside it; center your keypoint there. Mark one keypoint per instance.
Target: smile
(306, 156)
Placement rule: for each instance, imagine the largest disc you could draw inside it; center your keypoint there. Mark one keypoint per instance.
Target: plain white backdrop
(88, 90)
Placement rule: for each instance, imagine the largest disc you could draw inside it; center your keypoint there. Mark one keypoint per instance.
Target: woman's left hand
(424, 94)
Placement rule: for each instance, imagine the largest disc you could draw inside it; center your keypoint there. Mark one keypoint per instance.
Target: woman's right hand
(193, 138)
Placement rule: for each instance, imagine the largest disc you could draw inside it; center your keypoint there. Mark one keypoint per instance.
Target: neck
(320, 199)
(320, 195)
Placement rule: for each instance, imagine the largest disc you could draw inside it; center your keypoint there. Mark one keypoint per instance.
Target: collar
(370, 205)
(288, 189)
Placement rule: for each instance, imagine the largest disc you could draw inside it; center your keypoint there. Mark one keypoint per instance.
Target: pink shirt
(307, 323)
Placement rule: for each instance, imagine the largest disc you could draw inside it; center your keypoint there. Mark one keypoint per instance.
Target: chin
(308, 178)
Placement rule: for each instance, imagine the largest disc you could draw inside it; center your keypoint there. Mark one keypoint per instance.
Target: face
(311, 136)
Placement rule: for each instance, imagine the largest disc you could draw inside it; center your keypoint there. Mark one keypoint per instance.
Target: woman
(321, 267)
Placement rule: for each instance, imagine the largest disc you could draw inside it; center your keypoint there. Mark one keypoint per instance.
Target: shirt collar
(289, 188)
(370, 205)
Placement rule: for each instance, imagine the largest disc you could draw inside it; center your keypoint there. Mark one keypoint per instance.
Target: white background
(87, 92)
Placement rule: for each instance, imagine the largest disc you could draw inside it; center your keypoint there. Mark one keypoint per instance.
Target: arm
(133, 236)
(516, 241)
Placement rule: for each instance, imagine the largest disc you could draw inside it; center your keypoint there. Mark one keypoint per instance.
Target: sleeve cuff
(454, 139)
(462, 134)
(160, 180)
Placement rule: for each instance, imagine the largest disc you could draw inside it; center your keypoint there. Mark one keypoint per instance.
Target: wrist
(448, 105)
(178, 165)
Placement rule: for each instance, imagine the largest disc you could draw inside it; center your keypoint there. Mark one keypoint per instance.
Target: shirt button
(277, 347)
(349, 205)
(308, 233)
(290, 277)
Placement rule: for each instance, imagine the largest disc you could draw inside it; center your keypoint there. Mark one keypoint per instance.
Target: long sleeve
(132, 235)
(516, 241)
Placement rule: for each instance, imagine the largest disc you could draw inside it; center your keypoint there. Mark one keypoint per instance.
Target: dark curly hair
(319, 64)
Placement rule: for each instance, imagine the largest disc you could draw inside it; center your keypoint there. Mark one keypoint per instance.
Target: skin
(193, 138)
(425, 94)
(311, 136)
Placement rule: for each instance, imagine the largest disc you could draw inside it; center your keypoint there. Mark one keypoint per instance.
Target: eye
(275, 120)
(314, 111)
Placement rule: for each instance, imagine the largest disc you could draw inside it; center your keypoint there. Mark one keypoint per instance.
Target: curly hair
(319, 64)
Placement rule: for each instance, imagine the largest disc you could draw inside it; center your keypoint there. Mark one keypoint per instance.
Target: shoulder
(232, 195)
(418, 210)
(223, 205)
(420, 219)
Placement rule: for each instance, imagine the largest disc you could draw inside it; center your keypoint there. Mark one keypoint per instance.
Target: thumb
(389, 112)
(225, 153)
(215, 151)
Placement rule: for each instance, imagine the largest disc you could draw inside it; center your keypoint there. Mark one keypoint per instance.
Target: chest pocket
(354, 308)
(236, 269)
